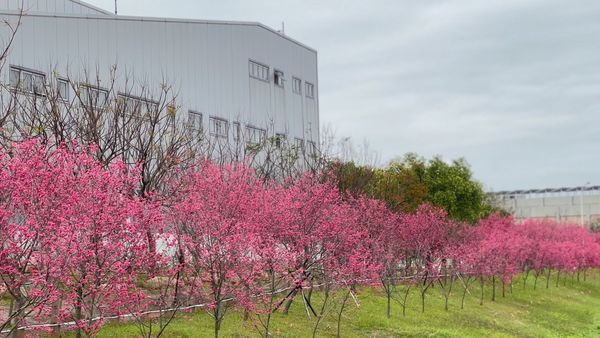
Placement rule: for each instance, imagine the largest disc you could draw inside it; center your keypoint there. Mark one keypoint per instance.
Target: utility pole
(116, 7)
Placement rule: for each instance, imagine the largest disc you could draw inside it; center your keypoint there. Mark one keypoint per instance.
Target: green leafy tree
(401, 184)
(407, 183)
(451, 186)
(351, 178)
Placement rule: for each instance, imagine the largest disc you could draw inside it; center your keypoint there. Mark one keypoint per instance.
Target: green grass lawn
(571, 310)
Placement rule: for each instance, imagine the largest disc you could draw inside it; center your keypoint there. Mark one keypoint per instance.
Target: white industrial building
(578, 205)
(230, 77)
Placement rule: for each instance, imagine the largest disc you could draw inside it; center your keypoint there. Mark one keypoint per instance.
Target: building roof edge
(92, 7)
(166, 20)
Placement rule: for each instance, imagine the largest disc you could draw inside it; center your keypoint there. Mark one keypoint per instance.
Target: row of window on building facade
(219, 128)
(33, 82)
(262, 72)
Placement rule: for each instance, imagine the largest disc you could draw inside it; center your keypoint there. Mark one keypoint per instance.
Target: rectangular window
(237, 130)
(296, 85)
(15, 77)
(309, 88)
(93, 96)
(219, 127)
(27, 81)
(195, 121)
(62, 89)
(258, 71)
(312, 148)
(280, 139)
(299, 145)
(255, 135)
(135, 106)
(38, 84)
(130, 106)
(278, 78)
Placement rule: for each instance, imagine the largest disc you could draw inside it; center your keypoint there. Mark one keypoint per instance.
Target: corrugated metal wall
(561, 208)
(206, 62)
(51, 6)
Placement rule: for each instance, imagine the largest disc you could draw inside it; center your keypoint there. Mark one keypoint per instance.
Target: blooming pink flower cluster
(74, 240)
(500, 247)
(69, 234)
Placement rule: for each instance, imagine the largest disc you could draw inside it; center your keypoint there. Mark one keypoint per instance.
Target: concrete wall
(206, 62)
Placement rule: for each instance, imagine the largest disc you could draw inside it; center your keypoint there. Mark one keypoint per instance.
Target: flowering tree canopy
(74, 243)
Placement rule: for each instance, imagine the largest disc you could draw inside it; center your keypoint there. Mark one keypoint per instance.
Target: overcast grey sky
(511, 85)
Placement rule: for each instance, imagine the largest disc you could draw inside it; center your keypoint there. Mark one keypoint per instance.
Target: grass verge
(570, 310)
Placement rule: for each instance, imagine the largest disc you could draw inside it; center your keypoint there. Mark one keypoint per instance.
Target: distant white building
(579, 205)
(230, 77)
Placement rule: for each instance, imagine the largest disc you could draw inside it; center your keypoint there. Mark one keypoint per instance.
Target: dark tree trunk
(493, 288)
(481, 298)
(78, 308)
(404, 300)
(339, 321)
(288, 303)
(389, 300)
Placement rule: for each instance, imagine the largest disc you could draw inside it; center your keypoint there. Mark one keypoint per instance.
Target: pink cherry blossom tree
(213, 219)
(426, 235)
(382, 230)
(278, 258)
(100, 236)
(71, 230)
(31, 192)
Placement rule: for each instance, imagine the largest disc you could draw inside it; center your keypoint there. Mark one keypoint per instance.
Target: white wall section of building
(53, 7)
(208, 63)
